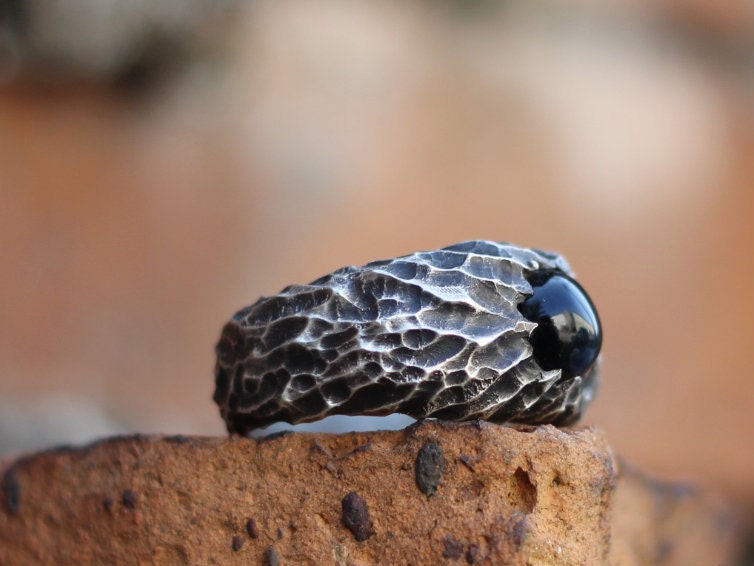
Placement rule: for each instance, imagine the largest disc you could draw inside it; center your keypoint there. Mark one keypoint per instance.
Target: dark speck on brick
(251, 528)
(453, 548)
(356, 516)
(107, 503)
(429, 467)
(11, 489)
(468, 461)
(130, 498)
(473, 554)
(236, 543)
(271, 557)
(177, 439)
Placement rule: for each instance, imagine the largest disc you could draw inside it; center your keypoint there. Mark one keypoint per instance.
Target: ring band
(477, 330)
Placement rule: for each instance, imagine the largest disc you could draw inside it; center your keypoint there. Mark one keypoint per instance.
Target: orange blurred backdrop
(134, 222)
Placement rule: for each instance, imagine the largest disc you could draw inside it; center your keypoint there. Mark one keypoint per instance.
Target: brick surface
(523, 495)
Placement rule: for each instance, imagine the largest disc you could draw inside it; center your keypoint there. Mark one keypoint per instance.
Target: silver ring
(477, 330)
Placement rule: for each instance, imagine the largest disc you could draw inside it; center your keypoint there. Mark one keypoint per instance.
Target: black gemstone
(568, 334)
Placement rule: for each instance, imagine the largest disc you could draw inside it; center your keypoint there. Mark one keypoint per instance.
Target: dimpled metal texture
(431, 334)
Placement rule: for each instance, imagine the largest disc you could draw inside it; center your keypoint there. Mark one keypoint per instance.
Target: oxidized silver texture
(431, 334)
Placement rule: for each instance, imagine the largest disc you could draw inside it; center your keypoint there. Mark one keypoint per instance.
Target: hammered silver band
(430, 334)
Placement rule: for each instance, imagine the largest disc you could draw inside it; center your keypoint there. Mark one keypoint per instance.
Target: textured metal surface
(431, 334)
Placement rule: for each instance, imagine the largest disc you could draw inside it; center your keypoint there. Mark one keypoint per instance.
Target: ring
(476, 330)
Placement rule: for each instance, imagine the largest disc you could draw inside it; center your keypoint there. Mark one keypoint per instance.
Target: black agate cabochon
(568, 334)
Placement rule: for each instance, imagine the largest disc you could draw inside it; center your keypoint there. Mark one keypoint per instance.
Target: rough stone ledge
(434, 493)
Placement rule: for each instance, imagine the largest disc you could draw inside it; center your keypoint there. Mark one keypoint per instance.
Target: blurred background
(163, 164)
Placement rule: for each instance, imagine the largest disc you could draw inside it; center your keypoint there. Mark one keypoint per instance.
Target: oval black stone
(568, 334)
